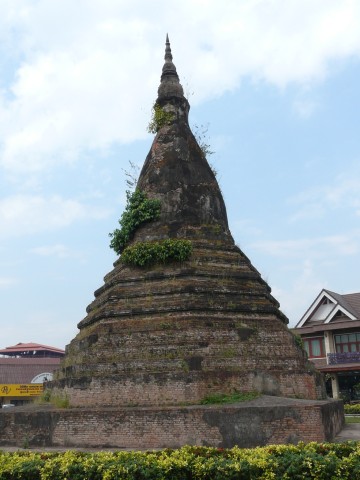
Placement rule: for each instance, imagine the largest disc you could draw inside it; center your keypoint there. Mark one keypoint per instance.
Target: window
(347, 342)
(314, 347)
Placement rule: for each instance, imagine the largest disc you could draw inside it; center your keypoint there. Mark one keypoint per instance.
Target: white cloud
(27, 214)
(91, 84)
(314, 248)
(305, 107)
(57, 250)
(342, 193)
(297, 296)
(43, 322)
(7, 282)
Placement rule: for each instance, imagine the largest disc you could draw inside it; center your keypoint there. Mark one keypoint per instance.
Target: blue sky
(276, 84)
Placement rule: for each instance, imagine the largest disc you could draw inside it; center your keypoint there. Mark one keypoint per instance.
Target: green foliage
(149, 253)
(58, 399)
(320, 461)
(299, 341)
(349, 419)
(25, 443)
(200, 133)
(131, 175)
(159, 118)
(139, 210)
(220, 398)
(349, 408)
(45, 397)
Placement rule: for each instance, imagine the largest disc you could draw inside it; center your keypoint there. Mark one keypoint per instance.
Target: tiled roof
(350, 301)
(353, 299)
(319, 313)
(30, 347)
(23, 370)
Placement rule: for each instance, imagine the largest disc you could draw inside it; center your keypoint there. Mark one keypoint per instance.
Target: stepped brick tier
(172, 334)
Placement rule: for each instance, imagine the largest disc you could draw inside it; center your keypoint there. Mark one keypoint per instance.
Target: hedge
(321, 461)
(351, 408)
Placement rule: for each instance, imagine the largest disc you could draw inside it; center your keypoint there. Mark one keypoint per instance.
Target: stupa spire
(169, 68)
(170, 86)
(168, 55)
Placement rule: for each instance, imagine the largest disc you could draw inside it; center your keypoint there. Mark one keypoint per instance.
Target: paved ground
(351, 431)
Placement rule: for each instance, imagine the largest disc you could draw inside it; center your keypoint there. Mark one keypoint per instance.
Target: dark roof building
(330, 329)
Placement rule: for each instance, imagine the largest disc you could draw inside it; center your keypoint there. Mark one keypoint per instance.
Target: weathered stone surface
(170, 334)
(177, 333)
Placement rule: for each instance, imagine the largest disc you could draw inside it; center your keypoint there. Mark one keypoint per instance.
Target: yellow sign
(23, 390)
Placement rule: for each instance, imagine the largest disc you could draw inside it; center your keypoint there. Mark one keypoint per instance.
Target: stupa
(169, 334)
(175, 332)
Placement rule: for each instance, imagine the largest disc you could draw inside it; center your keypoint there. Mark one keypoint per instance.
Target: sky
(274, 82)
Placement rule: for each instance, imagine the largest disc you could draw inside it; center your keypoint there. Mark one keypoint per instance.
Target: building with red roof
(25, 364)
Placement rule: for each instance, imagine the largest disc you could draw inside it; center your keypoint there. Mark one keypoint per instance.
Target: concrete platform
(351, 431)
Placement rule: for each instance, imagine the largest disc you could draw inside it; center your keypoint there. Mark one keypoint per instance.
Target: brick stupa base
(266, 420)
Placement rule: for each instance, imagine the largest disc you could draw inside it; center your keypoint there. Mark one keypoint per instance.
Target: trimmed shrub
(349, 408)
(320, 461)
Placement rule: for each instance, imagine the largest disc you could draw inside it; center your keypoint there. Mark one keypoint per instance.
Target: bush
(149, 253)
(320, 461)
(139, 210)
(159, 118)
(348, 408)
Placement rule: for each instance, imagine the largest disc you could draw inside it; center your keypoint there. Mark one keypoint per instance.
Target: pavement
(351, 431)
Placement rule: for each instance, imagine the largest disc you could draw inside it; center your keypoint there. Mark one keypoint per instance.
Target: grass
(60, 400)
(352, 419)
(221, 398)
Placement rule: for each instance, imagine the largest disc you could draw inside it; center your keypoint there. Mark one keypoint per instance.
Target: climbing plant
(131, 175)
(149, 253)
(200, 133)
(299, 341)
(139, 210)
(159, 118)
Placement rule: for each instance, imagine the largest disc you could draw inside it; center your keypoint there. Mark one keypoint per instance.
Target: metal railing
(345, 357)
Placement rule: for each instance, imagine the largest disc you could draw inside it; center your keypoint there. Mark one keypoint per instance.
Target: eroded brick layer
(177, 333)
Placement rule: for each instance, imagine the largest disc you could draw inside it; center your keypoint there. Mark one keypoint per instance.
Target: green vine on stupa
(144, 254)
(159, 118)
(139, 210)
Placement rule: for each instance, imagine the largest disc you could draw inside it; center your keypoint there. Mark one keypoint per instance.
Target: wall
(259, 422)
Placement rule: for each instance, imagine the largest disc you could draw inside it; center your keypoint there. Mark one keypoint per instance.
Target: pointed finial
(169, 68)
(170, 86)
(168, 55)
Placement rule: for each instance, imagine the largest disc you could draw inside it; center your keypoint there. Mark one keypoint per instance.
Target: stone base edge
(254, 424)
